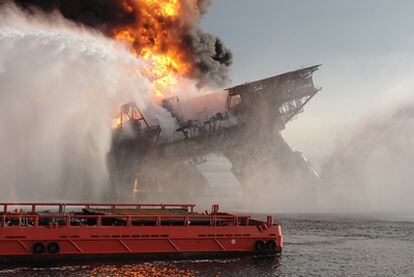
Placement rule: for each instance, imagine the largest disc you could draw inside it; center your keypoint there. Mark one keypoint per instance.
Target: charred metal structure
(245, 128)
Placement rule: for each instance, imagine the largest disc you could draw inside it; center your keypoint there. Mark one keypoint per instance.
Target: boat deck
(63, 229)
(99, 211)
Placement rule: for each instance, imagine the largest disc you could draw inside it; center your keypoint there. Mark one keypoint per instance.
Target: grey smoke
(211, 57)
(203, 5)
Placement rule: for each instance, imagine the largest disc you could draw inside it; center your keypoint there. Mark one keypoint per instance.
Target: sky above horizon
(365, 48)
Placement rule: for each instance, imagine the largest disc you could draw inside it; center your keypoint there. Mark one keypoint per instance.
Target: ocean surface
(316, 245)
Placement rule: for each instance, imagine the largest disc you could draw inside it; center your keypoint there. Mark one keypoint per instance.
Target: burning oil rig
(245, 128)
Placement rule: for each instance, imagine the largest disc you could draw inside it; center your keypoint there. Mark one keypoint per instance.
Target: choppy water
(314, 246)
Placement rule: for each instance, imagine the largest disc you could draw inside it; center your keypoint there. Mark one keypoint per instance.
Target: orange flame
(155, 38)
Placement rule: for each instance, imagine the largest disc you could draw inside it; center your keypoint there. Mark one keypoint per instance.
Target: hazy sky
(365, 47)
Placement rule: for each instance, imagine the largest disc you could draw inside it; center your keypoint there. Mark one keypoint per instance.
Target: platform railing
(93, 221)
(61, 207)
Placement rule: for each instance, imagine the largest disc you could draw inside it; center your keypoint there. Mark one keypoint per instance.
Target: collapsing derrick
(139, 128)
(243, 123)
(132, 137)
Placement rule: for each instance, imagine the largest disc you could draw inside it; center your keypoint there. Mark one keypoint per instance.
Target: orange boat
(62, 230)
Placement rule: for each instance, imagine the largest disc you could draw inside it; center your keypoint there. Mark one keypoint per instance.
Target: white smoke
(365, 158)
(371, 171)
(59, 87)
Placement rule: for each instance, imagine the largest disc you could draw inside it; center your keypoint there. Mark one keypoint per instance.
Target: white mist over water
(365, 160)
(59, 87)
(371, 170)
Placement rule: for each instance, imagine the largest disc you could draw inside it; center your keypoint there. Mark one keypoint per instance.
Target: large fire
(156, 38)
(165, 34)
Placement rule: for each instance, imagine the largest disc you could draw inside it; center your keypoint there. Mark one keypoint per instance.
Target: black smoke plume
(211, 59)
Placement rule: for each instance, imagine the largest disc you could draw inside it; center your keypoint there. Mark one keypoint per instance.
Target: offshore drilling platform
(243, 124)
(245, 127)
